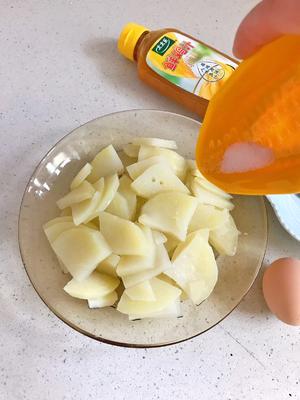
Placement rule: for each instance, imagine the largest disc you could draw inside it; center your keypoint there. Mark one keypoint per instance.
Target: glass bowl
(50, 181)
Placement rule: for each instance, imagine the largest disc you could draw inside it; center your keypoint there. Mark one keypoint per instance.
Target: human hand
(267, 21)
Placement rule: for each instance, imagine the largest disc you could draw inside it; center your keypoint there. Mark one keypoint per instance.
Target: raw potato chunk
(107, 162)
(207, 197)
(141, 292)
(130, 265)
(131, 150)
(84, 211)
(81, 249)
(124, 237)
(194, 267)
(161, 264)
(99, 185)
(119, 207)
(169, 212)
(103, 301)
(207, 216)
(205, 184)
(81, 176)
(176, 161)
(57, 220)
(156, 179)
(109, 265)
(136, 169)
(126, 191)
(164, 293)
(171, 311)
(225, 237)
(94, 286)
(155, 142)
(82, 192)
(159, 238)
(53, 231)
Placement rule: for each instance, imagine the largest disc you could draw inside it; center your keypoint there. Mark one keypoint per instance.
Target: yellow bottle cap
(129, 38)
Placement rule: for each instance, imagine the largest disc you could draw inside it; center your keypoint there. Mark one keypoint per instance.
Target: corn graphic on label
(189, 64)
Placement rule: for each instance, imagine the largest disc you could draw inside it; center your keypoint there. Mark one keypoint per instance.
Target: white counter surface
(58, 69)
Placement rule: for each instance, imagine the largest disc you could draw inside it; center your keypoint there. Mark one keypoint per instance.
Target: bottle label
(191, 65)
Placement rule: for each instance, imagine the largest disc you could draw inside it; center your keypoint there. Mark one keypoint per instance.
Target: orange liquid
(250, 139)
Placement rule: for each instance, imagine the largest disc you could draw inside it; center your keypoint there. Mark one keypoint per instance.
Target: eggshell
(281, 288)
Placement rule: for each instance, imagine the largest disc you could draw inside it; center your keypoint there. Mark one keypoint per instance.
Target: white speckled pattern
(59, 69)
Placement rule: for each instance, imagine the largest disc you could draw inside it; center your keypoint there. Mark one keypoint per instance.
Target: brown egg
(281, 288)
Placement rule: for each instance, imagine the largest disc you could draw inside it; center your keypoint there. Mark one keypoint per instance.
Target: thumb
(266, 22)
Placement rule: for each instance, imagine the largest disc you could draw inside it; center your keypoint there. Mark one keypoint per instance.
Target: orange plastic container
(250, 138)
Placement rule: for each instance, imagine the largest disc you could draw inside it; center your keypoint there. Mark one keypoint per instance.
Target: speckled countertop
(58, 69)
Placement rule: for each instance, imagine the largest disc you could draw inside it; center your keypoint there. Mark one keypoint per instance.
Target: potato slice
(176, 161)
(124, 237)
(54, 230)
(162, 263)
(156, 179)
(207, 216)
(171, 244)
(84, 211)
(126, 191)
(130, 265)
(99, 185)
(103, 301)
(131, 150)
(107, 162)
(136, 169)
(81, 249)
(164, 293)
(57, 220)
(194, 266)
(225, 237)
(171, 281)
(109, 265)
(169, 212)
(193, 169)
(94, 286)
(205, 184)
(119, 207)
(82, 192)
(207, 197)
(171, 311)
(81, 176)
(158, 237)
(155, 142)
(141, 292)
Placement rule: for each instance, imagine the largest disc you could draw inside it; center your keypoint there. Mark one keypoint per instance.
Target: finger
(266, 22)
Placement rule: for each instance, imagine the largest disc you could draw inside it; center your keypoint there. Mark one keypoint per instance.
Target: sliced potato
(99, 185)
(84, 211)
(84, 191)
(156, 179)
(205, 184)
(106, 163)
(207, 216)
(131, 150)
(124, 237)
(207, 197)
(136, 169)
(109, 265)
(164, 293)
(193, 262)
(171, 311)
(171, 244)
(224, 238)
(158, 237)
(119, 207)
(161, 264)
(109, 188)
(176, 161)
(103, 301)
(56, 220)
(141, 292)
(130, 265)
(94, 286)
(169, 212)
(126, 191)
(53, 231)
(81, 176)
(155, 142)
(193, 169)
(81, 249)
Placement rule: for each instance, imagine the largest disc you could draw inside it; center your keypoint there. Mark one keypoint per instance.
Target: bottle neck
(137, 46)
